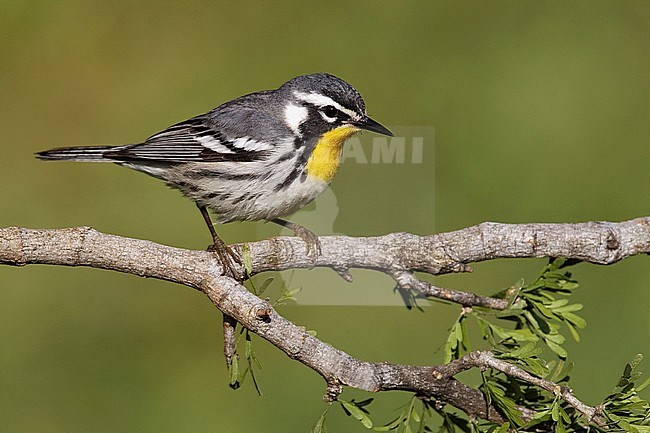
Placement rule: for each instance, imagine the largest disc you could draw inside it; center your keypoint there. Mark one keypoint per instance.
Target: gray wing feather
(189, 141)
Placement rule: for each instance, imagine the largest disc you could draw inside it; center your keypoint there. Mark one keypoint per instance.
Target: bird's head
(318, 103)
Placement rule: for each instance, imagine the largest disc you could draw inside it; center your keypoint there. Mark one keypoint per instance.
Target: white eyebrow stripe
(322, 100)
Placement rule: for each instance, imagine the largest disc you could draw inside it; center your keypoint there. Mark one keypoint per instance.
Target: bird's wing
(194, 140)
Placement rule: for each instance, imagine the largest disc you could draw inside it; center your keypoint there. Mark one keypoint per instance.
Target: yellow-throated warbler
(258, 157)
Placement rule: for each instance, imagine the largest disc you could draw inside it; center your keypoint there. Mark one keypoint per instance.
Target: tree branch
(84, 246)
(407, 280)
(479, 359)
(398, 255)
(401, 254)
(602, 243)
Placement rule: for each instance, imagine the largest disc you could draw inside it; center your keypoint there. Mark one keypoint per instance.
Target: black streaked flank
(289, 179)
(186, 185)
(221, 195)
(206, 173)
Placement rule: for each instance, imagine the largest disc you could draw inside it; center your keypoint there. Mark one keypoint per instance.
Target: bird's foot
(230, 261)
(311, 240)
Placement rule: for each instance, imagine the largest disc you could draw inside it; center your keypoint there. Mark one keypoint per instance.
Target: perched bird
(261, 156)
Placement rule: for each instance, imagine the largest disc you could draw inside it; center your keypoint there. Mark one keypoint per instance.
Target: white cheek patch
(212, 144)
(294, 116)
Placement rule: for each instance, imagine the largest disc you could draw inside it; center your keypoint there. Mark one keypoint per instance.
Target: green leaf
(525, 351)
(506, 404)
(568, 308)
(357, 413)
(252, 360)
(542, 309)
(233, 369)
(503, 428)
(522, 335)
(643, 385)
(510, 312)
(557, 305)
(570, 285)
(574, 332)
(294, 292)
(248, 345)
(366, 421)
(486, 332)
(532, 321)
(351, 409)
(320, 426)
(559, 350)
(514, 291)
(535, 366)
(250, 355)
(578, 321)
(555, 411)
(555, 338)
(463, 336)
(248, 263)
(288, 296)
(625, 408)
(265, 284)
(627, 427)
(452, 345)
(561, 371)
(390, 426)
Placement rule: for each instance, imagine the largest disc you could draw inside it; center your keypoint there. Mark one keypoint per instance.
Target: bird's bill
(370, 125)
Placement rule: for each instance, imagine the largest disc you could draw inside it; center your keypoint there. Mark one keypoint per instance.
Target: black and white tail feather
(81, 154)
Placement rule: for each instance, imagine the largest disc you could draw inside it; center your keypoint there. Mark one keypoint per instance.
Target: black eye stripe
(329, 111)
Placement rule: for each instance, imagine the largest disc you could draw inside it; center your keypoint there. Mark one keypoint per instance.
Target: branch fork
(399, 255)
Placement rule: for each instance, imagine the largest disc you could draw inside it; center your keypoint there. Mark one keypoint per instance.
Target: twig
(229, 338)
(480, 359)
(407, 280)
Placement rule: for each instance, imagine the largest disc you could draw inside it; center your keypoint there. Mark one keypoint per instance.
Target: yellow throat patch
(326, 157)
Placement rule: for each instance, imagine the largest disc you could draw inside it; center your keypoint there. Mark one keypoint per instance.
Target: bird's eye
(330, 111)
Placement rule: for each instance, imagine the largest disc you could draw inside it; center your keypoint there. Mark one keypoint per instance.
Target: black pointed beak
(370, 125)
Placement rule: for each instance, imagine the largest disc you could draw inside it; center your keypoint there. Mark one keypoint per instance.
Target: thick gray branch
(397, 254)
(601, 243)
(401, 254)
(84, 246)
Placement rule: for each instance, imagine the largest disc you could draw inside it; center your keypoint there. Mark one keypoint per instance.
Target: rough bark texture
(398, 254)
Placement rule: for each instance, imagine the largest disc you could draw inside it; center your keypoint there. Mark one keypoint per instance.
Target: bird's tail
(84, 154)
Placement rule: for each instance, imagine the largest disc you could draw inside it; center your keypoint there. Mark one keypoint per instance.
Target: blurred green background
(541, 114)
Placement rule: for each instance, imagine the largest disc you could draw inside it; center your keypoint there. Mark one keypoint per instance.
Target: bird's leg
(225, 254)
(310, 238)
